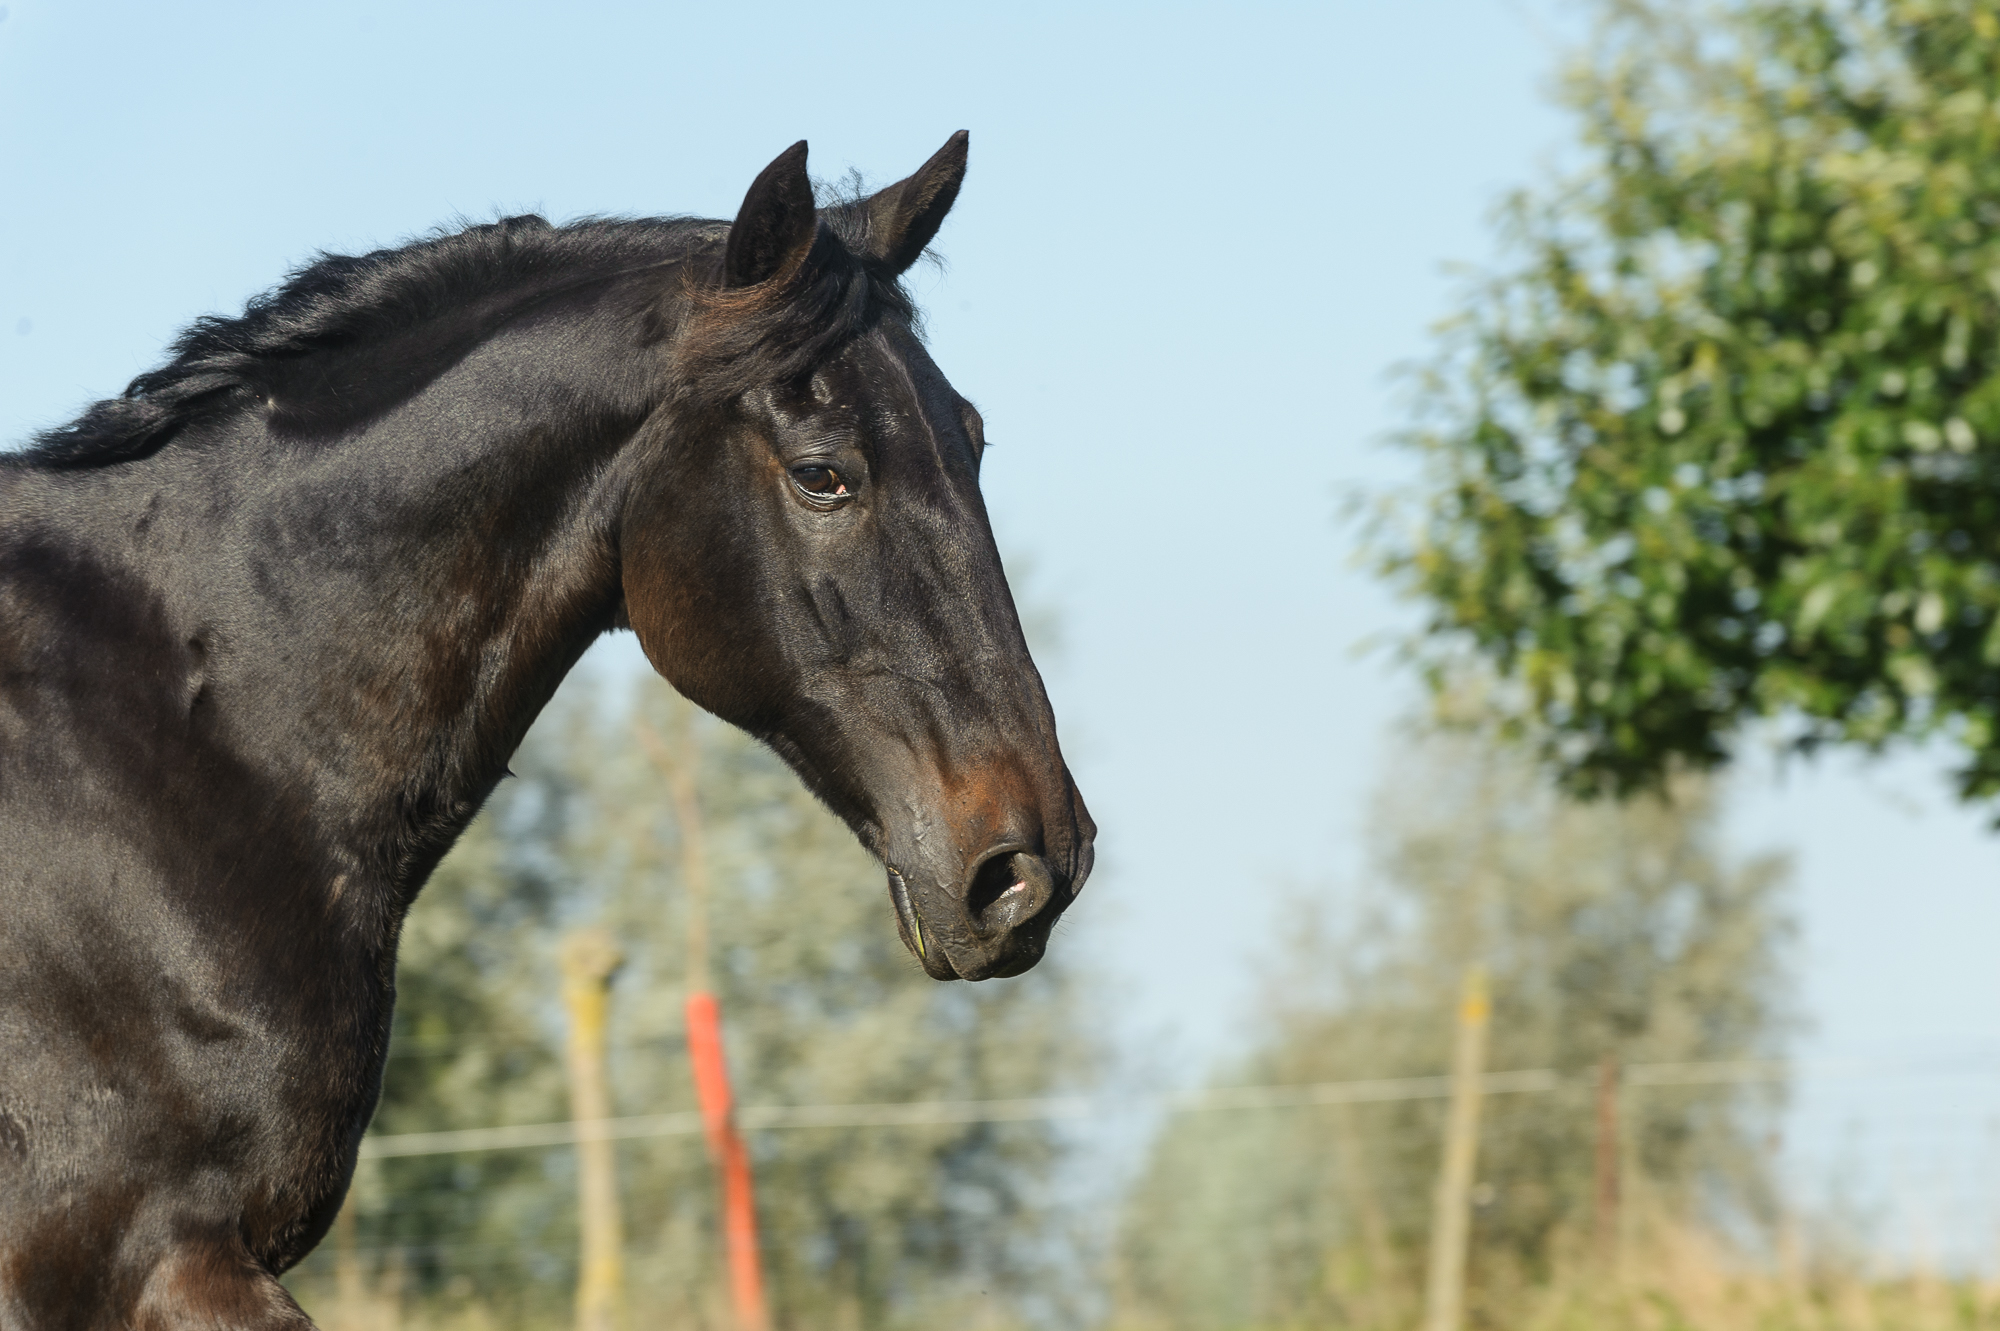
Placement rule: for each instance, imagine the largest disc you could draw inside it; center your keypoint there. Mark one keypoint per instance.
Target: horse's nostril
(991, 881)
(1009, 888)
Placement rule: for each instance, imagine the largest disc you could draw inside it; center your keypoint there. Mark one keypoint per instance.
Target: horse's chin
(1006, 968)
(1009, 950)
(1007, 965)
(938, 966)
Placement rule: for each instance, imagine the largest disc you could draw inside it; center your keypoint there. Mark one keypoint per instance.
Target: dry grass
(1683, 1279)
(1668, 1278)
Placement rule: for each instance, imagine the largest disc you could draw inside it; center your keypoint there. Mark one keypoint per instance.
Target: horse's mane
(340, 302)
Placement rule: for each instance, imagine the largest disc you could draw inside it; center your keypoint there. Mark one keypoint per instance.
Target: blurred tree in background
(1608, 929)
(1727, 444)
(821, 1005)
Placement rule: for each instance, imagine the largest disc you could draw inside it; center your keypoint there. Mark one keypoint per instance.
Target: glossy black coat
(272, 622)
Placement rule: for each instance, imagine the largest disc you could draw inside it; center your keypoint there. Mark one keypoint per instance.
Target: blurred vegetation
(1678, 1277)
(821, 1005)
(1609, 929)
(1613, 929)
(1726, 444)
(1723, 446)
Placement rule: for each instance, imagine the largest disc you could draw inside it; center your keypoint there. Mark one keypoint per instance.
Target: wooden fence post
(348, 1294)
(705, 1053)
(1451, 1216)
(1605, 1213)
(589, 959)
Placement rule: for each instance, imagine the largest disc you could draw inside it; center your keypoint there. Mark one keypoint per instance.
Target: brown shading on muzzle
(983, 913)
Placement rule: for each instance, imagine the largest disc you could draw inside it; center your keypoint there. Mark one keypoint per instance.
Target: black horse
(272, 622)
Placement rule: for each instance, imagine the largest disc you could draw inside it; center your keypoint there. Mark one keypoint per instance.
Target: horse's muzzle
(997, 925)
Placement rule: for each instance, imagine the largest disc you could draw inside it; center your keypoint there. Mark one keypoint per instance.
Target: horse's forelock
(735, 339)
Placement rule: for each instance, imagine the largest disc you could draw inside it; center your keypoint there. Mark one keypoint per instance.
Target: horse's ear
(905, 217)
(774, 227)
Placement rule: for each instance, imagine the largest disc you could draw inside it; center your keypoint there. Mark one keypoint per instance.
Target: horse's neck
(377, 618)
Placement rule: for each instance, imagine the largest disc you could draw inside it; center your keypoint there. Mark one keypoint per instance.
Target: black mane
(477, 276)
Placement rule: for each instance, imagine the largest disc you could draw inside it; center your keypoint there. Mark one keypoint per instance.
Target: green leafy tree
(1727, 443)
(1608, 929)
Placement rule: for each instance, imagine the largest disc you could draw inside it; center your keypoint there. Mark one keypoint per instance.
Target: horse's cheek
(682, 614)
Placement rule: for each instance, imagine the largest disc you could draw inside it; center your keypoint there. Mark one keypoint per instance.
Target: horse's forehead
(881, 380)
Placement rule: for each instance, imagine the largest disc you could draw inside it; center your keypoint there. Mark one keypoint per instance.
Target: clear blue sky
(1193, 243)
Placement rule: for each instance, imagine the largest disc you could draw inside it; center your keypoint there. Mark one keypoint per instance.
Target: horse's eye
(820, 482)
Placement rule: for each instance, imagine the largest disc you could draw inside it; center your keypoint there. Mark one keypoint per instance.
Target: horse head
(805, 553)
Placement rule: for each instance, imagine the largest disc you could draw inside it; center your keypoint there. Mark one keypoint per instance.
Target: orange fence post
(704, 1036)
(725, 1145)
